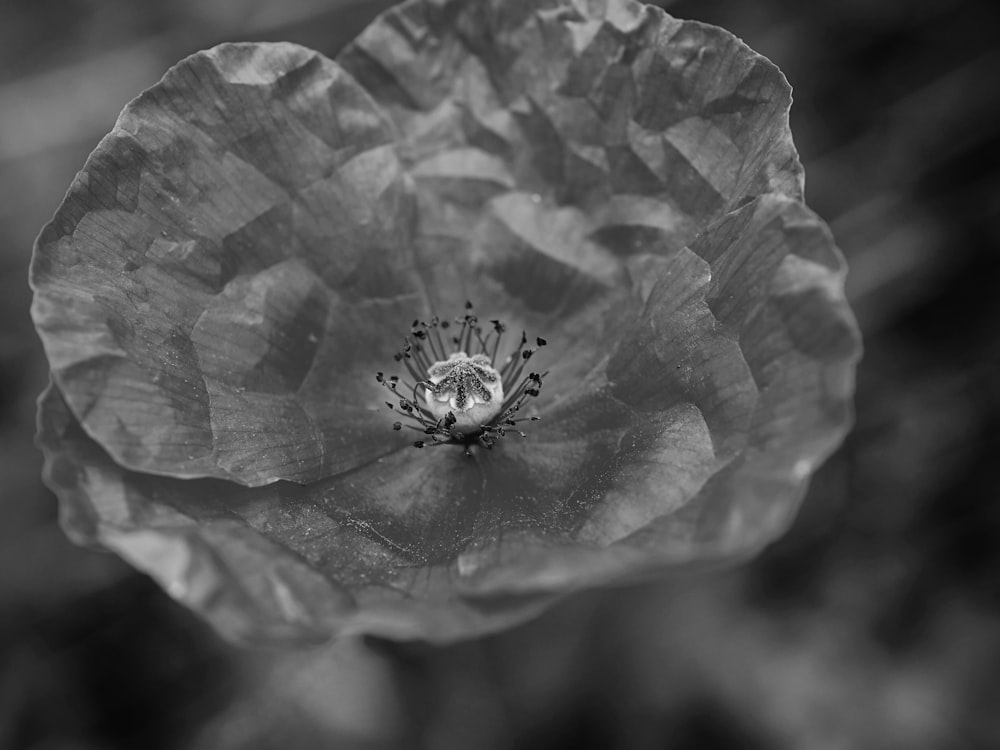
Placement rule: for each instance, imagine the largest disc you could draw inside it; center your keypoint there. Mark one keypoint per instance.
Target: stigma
(470, 388)
(460, 386)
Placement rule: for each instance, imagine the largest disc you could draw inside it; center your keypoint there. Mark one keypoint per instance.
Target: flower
(232, 267)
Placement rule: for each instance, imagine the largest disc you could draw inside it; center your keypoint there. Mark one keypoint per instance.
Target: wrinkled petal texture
(213, 292)
(246, 248)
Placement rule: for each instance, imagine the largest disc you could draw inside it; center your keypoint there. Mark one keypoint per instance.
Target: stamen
(461, 397)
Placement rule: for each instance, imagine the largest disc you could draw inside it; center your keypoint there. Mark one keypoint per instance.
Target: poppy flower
(279, 288)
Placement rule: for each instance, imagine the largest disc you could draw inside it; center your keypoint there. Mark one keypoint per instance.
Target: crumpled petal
(777, 288)
(265, 565)
(618, 181)
(215, 291)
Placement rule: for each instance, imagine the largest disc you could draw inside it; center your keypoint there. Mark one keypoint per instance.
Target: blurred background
(875, 623)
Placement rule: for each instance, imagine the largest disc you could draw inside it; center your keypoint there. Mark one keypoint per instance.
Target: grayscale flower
(269, 243)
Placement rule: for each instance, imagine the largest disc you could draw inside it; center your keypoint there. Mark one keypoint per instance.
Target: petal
(777, 289)
(183, 533)
(267, 566)
(223, 278)
(564, 154)
(548, 140)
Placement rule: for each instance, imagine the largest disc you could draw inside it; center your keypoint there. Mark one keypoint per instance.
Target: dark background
(875, 623)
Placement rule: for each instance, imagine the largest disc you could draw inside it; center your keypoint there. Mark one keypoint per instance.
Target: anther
(468, 396)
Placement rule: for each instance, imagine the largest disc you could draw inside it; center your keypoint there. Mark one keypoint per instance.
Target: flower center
(469, 388)
(459, 390)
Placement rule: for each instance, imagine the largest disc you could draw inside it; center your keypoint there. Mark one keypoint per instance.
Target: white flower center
(470, 388)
